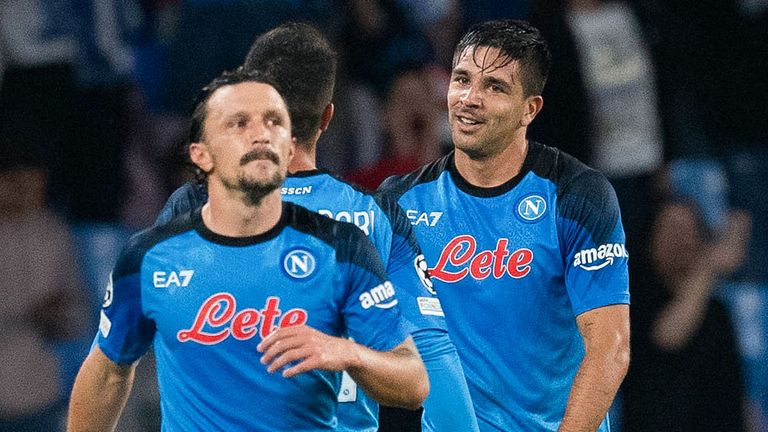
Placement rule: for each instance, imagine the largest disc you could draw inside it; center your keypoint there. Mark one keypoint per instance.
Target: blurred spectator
(377, 39)
(601, 99)
(686, 372)
(42, 303)
(412, 118)
(214, 35)
(477, 11)
(104, 33)
(39, 51)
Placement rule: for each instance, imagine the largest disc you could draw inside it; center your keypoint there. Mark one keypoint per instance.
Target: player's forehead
(252, 97)
(486, 60)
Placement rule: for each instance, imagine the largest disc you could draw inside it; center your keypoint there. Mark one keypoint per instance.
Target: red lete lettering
(460, 254)
(217, 319)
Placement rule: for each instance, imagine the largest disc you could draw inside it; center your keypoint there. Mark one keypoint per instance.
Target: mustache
(260, 154)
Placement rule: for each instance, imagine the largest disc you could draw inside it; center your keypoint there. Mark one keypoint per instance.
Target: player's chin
(467, 143)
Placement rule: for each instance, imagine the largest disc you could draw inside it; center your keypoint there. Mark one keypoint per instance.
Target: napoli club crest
(299, 263)
(531, 208)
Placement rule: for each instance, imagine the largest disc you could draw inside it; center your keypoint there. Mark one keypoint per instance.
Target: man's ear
(200, 156)
(292, 149)
(534, 105)
(325, 119)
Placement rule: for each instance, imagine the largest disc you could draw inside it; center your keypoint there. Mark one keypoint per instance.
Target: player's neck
(493, 170)
(229, 215)
(304, 159)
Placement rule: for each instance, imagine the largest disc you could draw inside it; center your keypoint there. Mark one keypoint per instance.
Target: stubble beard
(254, 191)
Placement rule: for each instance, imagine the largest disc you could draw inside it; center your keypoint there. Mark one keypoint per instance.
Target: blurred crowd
(669, 99)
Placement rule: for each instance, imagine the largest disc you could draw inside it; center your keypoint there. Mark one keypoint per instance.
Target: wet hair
(517, 41)
(302, 62)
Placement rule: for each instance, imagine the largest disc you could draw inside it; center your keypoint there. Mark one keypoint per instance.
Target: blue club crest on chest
(531, 208)
(299, 263)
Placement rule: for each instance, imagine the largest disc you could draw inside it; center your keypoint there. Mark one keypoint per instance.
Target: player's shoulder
(186, 198)
(570, 175)
(349, 242)
(334, 233)
(189, 190)
(140, 243)
(331, 184)
(396, 186)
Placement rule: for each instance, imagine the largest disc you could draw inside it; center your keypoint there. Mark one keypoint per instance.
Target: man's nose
(472, 96)
(258, 133)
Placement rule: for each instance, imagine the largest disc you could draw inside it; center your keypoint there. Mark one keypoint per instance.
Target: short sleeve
(408, 270)
(124, 333)
(371, 306)
(593, 243)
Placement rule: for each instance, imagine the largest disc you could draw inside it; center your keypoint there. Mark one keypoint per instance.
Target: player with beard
(248, 300)
(300, 59)
(529, 256)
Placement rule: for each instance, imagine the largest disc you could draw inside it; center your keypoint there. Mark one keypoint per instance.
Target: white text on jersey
(381, 296)
(603, 253)
(161, 279)
(304, 190)
(363, 219)
(426, 218)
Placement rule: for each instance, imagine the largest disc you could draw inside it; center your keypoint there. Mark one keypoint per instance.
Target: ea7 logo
(425, 218)
(161, 279)
(602, 256)
(382, 296)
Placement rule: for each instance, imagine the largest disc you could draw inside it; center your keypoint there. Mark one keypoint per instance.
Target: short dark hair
(301, 60)
(227, 78)
(518, 41)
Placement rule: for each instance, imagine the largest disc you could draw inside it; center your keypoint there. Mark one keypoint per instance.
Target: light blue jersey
(206, 301)
(448, 406)
(513, 266)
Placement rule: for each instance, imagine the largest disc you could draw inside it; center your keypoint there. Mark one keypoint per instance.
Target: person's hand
(729, 251)
(305, 349)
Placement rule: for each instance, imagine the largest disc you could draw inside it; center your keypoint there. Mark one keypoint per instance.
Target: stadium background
(95, 95)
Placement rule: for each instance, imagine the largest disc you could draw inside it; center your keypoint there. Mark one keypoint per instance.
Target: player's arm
(597, 282)
(396, 377)
(605, 332)
(448, 406)
(99, 393)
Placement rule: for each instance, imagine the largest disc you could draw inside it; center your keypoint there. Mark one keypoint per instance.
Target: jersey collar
(488, 192)
(197, 221)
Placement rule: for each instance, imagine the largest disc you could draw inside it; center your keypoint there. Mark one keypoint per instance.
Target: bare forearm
(395, 378)
(99, 394)
(592, 393)
(606, 342)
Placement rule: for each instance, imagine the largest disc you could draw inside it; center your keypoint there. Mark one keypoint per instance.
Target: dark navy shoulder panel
(395, 215)
(349, 242)
(398, 220)
(396, 186)
(584, 194)
(137, 246)
(190, 196)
